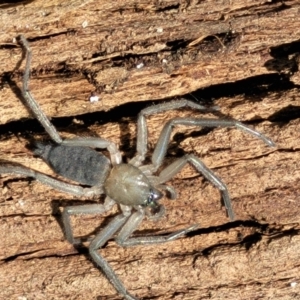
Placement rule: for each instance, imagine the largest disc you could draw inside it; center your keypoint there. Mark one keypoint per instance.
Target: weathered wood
(98, 46)
(247, 52)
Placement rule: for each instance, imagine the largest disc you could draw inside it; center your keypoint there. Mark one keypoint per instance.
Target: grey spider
(133, 186)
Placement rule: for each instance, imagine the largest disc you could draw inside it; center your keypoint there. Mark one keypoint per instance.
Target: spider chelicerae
(135, 187)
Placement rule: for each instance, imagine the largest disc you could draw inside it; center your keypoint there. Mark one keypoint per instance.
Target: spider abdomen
(81, 164)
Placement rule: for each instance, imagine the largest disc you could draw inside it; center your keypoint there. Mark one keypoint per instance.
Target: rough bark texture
(241, 55)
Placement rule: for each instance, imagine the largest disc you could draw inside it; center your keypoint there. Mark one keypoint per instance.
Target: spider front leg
(142, 133)
(163, 141)
(162, 144)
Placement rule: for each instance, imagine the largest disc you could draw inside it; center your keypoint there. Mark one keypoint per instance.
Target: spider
(136, 188)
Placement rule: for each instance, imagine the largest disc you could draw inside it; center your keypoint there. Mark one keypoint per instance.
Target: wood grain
(238, 55)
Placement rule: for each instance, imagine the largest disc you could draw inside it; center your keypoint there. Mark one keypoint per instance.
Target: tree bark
(240, 56)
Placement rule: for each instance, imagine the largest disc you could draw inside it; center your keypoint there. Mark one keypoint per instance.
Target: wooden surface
(242, 56)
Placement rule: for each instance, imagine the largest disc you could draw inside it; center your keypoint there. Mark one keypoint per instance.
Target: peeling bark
(238, 55)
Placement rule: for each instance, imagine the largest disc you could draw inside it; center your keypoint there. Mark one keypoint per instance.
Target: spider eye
(154, 196)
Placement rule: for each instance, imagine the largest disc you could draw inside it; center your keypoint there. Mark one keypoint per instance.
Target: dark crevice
(13, 3)
(253, 89)
(174, 50)
(276, 9)
(13, 180)
(248, 241)
(36, 38)
(13, 257)
(23, 215)
(273, 2)
(228, 226)
(168, 8)
(267, 8)
(286, 58)
(262, 230)
(260, 85)
(29, 127)
(286, 150)
(158, 8)
(20, 255)
(286, 114)
(284, 50)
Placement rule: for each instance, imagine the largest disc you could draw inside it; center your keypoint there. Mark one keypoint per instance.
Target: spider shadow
(127, 142)
(13, 85)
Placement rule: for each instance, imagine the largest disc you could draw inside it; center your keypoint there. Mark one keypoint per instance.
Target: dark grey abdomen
(81, 164)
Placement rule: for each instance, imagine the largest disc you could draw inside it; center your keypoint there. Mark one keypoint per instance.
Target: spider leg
(52, 182)
(45, 122)
(129, 222)
(134, 221)
(98, 242)
(178, 164)
(31, 102)
(162, 143)
(79, 210)
(142, 133)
